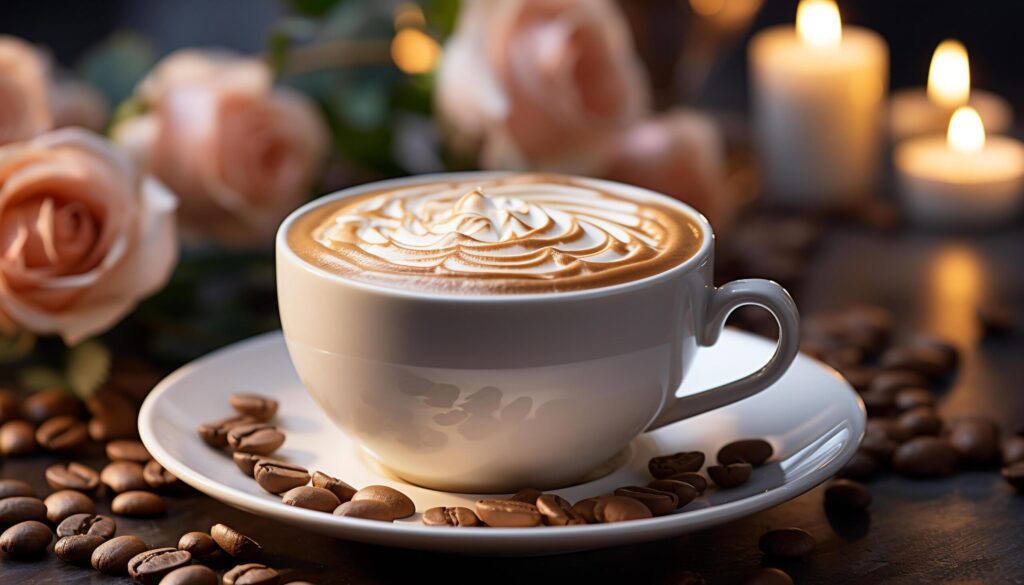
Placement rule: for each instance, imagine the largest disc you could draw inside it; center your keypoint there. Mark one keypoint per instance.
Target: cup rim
(633, 191)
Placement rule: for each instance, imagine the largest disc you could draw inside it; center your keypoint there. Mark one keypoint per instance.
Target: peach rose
(680, 153)
(540, 84)
(83, 236)
(76, 103)
(24, 91)
(238, 152)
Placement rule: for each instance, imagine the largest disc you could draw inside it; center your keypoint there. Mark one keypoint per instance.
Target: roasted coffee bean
(786, 543)
(667, 465)
(365, 509)
(920, 421)
(123, 476)
(400, 504)
(138, 504)
(151, 566)
(997, 319)
(950, 354)
(246, 463)
(730, 476)
(878, 446)
(113, 416)
(769, 576)
(528, 495)
(111, 557)
(862, 466)
(888, 428)
(128, 450)
(507, 513)
(10, 405)
(753, 451)
(557, 511)
(191, 575)
(77, 548)
(252, 574)
(279, 476)
(1013, 451)
(72, 476)
(21, 508)
(928, 361)
(910, 397)
(585, 508)
(620, 509)
(64, 503)
(976, 441)
(925, 457)
(93, 524)
(878, 404)
(48, 404)
(311, 498)
(340, 488)
(254, 406)
(159, 478)
(26, 539)
(15, 487)
(684, 492)
(695, 479)
(889, 382)
(17, 438)
(61, 433)
(450, 516)
(199, 544)
(256, 438)
(657, 501)
(239, 546)
(215, 434)
(1014, 475)
(867, 321)
(860, 377)
(843, 494)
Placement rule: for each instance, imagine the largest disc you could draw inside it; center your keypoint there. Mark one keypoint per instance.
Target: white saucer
(812, 417)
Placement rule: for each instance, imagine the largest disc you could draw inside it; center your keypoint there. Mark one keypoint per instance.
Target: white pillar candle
(962, 180)
(919, 111)
(819, 105)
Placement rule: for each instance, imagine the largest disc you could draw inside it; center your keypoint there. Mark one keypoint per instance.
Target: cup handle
(725, 300)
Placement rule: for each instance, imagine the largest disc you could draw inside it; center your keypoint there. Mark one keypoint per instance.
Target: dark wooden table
(965, 529)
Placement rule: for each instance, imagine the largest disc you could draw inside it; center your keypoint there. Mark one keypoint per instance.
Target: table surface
(966, 528)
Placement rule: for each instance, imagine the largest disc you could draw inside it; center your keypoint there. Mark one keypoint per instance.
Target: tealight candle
(919, 111)
(964, 179)
(819, 104)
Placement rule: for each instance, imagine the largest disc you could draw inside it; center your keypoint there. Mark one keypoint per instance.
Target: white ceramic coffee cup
(492, 393)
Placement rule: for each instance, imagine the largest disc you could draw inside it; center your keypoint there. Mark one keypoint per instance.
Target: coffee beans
(254, 406)
(17, 438)
(450, 516)
(585, 508)
(64, 503)
(769, 576)
(878, 446)
(199, 544)
(159, 478)
(311, 498)
(92, 524)
(138, 504)
(753, 451)
(239, 546)
(215, 434)
(191, 575)
(279, 476)
(667, 465)
(26, 539)
(77, 548)
(619, 509)
(920, 421)
(111, 557)
(246, 463)
(123, 476)
(21, 508)
(557, 511)
(1013, 451)
(976, 441)
(730, 476)
(61, 433)
(256, 438)
(528, 495)
(889, 382)
(786, 543)
(151, 566)
(113, 416)
(908, 398)
(48, 404)
(338, 487)
(72, 476)
(684, 492)
(15, 487)
(997, 318)
(399, 504)
(365, 509)
(931, 361)
(695, 479)
(925, 457)
(843, 494)
(252, 574)
(1014, 475)
(10, 405)
(658, 502)
(127, 450)
(506, 513)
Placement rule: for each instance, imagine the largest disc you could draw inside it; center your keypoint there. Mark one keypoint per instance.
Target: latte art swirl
(516, 234)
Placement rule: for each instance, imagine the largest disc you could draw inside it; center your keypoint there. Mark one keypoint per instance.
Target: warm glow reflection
(953, 289)
(707, 7)
(966, 132)
(414, 51)
(949, 77)
(818, 24)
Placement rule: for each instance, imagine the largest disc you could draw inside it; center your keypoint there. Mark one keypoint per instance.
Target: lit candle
(918, 111)
(963, 179)
(819, 105)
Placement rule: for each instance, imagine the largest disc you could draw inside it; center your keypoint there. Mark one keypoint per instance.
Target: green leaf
(16, 345)
(314, 8)
(117, 64)
(36, 378)
(88, 367)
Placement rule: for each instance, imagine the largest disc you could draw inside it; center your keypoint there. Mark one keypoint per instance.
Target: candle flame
(949, 76)
(414, 51)
(818, 23)
(966, 132)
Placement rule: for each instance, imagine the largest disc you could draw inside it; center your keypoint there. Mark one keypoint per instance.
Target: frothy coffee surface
(516, 234)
